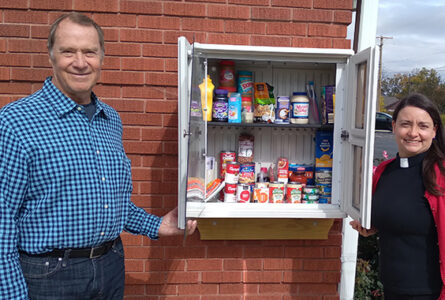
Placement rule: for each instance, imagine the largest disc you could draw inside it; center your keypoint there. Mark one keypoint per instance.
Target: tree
(425, 81)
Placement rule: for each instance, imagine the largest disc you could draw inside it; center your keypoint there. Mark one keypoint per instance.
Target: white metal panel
(360, 139)
(184, 81)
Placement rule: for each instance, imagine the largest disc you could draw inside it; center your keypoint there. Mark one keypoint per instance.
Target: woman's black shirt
(409, 254)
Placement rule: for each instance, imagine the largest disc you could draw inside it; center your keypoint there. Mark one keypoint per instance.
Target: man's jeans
(53, 278)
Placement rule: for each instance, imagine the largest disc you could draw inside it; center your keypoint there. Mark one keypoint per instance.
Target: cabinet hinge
(344, 135)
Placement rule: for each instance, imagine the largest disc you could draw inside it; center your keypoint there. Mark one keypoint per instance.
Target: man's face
(76, 60)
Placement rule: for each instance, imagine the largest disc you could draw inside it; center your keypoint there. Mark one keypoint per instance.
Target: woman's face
(414, 131)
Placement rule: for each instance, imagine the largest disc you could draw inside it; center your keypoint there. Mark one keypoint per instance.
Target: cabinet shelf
(263, 210)
(265, 125)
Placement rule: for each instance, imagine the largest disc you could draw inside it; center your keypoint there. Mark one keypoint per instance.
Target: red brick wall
(139, 79)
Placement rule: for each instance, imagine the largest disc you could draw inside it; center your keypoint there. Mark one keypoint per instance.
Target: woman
(408, 205)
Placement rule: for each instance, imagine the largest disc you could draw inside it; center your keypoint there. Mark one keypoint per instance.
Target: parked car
(383, 121)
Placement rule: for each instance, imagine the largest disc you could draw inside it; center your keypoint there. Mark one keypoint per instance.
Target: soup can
(230, 192)
(232, 172)
(276, 192)
(224, 157)
(310, 190)
(247, 173)
(293, 192)
(243, 193)
(310, 199)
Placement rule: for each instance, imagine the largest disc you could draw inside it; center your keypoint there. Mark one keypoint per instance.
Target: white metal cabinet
(288, 70)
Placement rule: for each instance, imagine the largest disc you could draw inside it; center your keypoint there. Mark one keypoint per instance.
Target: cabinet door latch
(344, 135)
(186, 133)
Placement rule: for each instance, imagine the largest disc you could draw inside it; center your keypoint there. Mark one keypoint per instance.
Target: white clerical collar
(404, 162)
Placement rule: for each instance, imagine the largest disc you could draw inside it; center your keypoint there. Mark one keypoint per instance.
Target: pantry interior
(288, 70)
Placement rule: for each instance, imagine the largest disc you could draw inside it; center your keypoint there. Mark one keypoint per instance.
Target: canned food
(232, 172)
(262, 185)
(308, 198)
(324, 200)
(224, 157)
(324, 189)
(323, 176)
(261, 195)
(310, 190)
(293, 192)
(276, 192)
(247, 173)
(243, 193)
(230, 188)
(230, 198)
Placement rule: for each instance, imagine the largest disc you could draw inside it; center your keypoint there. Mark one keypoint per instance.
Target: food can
(310, 190)
(324, 189)
(307, 198)
(232, 172)
(323, 176)
(293, 192)
(224, 157)
(262, 185)
(261, 195)
(243, 193)
(247, 173)
(324, 200)
(276, 192)
(230, 192)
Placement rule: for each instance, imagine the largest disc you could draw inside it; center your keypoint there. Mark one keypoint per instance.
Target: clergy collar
(408, 162)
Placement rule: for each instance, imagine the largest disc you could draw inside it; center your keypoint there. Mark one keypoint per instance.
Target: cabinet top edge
(216, 49)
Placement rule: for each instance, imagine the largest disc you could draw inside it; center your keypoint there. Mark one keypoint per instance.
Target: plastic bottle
(262, 175)
(206, 88)
(227, 74)
(235, 108)
(299, 112)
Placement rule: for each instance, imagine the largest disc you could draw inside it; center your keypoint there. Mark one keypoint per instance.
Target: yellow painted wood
(264, 229)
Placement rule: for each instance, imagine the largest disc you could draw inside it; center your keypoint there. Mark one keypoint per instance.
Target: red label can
(224, 157)
(243, 193)
(232, 172)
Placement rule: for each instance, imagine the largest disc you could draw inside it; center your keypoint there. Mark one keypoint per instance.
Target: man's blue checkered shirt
(65, 181)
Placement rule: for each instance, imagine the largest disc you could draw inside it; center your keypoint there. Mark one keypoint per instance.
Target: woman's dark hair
(76, 18)
(436, 153)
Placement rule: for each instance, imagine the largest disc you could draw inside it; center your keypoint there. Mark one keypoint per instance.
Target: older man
(65, 181)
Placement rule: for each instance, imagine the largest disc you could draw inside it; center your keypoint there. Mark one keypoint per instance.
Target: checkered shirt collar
(63, 104)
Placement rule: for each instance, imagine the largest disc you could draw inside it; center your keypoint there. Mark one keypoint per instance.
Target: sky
(417, 29)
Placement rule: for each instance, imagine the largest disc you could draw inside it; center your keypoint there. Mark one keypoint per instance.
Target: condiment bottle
(227, 74)
(262, 175)
(206, 88)
(299, 113)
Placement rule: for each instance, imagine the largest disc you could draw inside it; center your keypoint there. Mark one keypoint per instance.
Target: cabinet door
(358, 135)
(192, 69)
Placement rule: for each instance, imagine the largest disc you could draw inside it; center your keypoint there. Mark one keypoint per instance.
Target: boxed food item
(328, 103)
(324, 147)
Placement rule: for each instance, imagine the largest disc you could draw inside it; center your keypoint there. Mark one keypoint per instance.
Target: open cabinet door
(358, 135)
(192, 68)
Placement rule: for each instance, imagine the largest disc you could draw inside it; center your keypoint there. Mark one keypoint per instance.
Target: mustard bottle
(206, 88)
